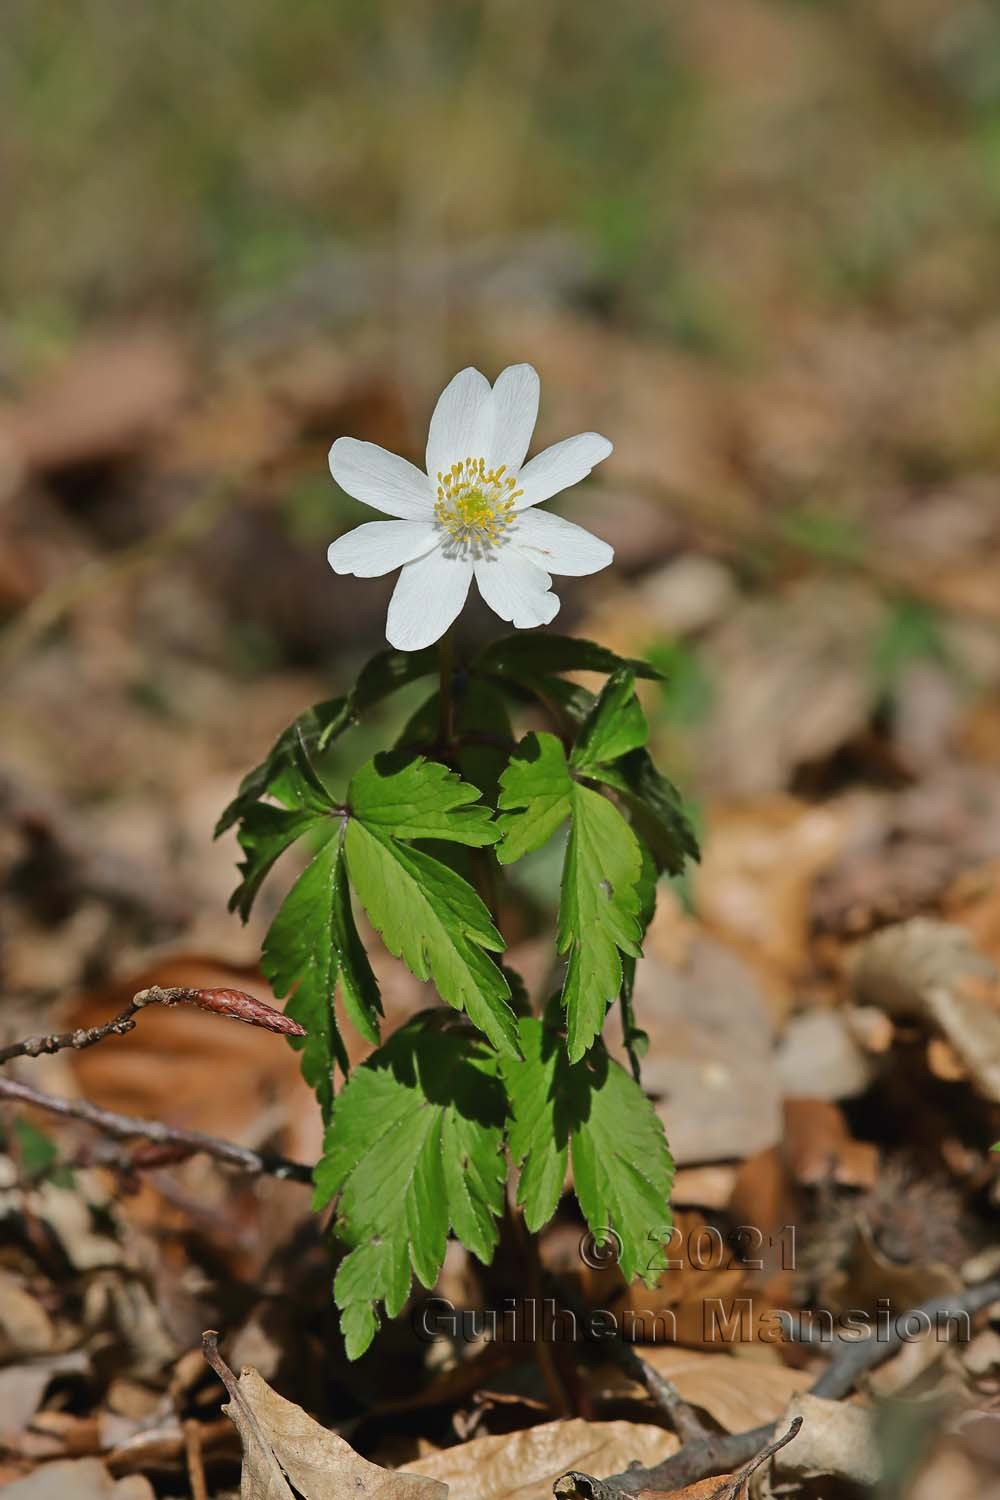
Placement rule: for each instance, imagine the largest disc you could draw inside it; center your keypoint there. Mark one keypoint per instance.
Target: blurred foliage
(188, 154)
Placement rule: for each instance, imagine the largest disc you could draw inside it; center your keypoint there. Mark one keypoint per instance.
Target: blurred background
(753, 241)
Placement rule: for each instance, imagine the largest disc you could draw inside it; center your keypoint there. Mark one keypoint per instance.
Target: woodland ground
(756, 244)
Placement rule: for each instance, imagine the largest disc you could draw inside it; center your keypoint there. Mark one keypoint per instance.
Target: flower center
(475, 504)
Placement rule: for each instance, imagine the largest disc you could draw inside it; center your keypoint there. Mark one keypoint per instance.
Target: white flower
(472, 513)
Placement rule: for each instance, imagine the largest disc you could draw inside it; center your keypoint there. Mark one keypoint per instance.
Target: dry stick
(129, 1128)
(249, 1425)
(738, 1487)
(195, 1459)
(237, 1005)
(726, 1451)
(680, 1414)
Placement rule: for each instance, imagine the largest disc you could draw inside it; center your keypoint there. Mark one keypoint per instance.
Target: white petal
(516, 398)
(381, 479)
(379, 546)
(560, 466)
(428, 597)
(516, 589)
(462, 424)
(559, 546)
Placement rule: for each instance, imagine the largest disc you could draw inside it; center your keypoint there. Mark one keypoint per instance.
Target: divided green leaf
(591, 1115)
(427, 914)
(598, 913)
(655, 807)
(407, 797)
(414, 1151)
(320, 725)
(311, 943)
(599, 909)
(615, 724)
(539, 655)
(536, 792)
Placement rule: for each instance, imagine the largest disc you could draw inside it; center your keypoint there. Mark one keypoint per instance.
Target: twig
(723, 1452)
(739, 1485)
(235, 1004)
(243, 1415)
(195, 1459)
(682, 1417)
(129, 1127)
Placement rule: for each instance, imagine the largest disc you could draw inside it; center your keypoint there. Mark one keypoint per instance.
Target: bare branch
(129, 1127)
(723, 1452)
(235, 1004)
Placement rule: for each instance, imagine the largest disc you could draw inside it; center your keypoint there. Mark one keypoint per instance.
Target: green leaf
(266, 832)
(482, 725)
(428, 914)
(539, 655)
(601, 903)
(635, 1039)
(598, 913)
(615, 724)
(407, 797)
(414, 1151)
(333, 715)
(433, 920)
(655, 807)
(594, 1115)
(535, 796)
(358, 986)
(300, 955)
(320, 725)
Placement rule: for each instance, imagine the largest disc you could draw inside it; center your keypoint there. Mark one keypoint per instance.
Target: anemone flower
(473, 514)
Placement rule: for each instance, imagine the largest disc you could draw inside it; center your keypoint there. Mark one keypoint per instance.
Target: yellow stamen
(475, 505)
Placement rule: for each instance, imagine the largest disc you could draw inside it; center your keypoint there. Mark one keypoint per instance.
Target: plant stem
(446, 699)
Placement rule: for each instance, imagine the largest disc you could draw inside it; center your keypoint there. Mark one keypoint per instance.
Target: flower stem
(446, 700)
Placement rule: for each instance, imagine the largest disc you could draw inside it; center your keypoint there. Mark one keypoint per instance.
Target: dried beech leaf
(526, 1464)
(280, 1439)
(736, 1393)
(837, 1438)
(81, 1479)
(703, 1489)
(933, 972)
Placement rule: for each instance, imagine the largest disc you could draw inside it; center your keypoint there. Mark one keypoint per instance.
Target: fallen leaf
(22, 1388)
(80, 1479)
(709, 1065)
(105, 403)
(836, 1438)
(524, 1465)
(819, 1147)
(25, 1326)
(753, 887)
(280, 1439)
(933, 972)
(737, 1393)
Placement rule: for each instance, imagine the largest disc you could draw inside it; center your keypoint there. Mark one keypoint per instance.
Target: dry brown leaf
(107, 401)
(819, 1147)
(702, 1489)
(22, 1388)
(524, 1465)
(280, 1439)
(738, 1393)
(755, 880)
(81, 1479)
(933, 972)
(710, 1061)
(836, 1438)
(25, 1326)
